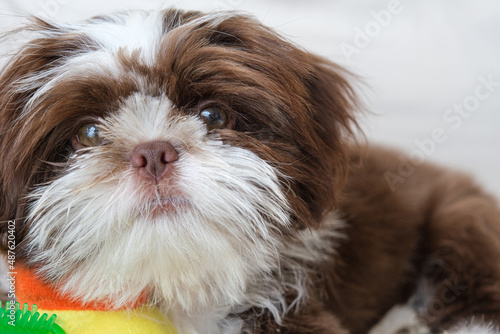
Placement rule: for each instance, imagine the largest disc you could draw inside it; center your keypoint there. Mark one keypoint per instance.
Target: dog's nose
(153, 158)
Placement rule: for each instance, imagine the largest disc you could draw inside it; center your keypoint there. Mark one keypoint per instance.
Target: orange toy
(75, 317)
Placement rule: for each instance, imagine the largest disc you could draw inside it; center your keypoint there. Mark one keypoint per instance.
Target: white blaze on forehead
(131, 31)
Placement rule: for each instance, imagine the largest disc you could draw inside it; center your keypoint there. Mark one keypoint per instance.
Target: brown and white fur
(262, 218)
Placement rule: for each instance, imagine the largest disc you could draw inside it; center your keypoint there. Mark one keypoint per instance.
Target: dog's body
(206, 162)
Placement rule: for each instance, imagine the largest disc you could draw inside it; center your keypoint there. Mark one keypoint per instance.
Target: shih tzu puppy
(203, 161)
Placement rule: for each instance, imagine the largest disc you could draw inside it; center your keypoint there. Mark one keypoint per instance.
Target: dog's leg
(455, 248)
(462, 272)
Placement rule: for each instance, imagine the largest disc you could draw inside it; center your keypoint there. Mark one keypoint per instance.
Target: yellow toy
(74, 317)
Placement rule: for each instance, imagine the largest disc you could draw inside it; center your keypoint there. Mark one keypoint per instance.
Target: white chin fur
(88, 236)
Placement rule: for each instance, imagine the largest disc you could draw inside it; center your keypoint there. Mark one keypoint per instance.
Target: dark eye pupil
(88, 135)
(215, 118)
(212, 116)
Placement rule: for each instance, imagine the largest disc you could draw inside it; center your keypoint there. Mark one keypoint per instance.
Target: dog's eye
(88, 135)
(214, 118)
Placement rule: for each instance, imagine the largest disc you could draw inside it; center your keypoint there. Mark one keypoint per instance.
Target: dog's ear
(26, 143)
(334, 103)
(16, 167)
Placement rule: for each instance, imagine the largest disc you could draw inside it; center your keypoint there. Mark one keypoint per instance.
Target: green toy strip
(13, 320)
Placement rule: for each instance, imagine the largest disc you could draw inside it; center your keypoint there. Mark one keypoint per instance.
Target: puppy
(207, 163)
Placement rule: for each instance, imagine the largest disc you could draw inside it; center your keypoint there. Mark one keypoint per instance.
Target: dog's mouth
(165, 205)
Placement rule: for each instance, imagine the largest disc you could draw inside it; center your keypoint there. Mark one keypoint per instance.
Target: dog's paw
(401, 319)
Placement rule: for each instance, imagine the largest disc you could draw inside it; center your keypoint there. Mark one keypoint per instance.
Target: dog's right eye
(88, 135)
(214, 118)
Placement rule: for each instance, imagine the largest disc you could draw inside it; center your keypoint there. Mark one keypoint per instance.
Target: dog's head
(168, 152)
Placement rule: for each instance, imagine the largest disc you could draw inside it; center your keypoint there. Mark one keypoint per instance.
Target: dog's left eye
(88, 135)
(214, 118)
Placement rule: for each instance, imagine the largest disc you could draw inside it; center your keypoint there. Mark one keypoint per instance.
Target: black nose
(153, 158)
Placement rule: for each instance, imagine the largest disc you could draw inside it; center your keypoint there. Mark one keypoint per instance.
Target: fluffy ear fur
(29, 138)
(19, 164)
(334, 102)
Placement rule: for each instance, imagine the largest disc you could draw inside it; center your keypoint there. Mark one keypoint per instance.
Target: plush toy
(76, 318)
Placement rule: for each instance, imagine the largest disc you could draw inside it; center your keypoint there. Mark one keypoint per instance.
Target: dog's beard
(100, 232)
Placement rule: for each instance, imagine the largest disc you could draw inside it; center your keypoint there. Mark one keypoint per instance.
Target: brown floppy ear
(334, 104)
(27, 136)
(17, 161)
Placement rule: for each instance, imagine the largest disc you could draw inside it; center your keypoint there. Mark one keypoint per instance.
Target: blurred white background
(432, 67)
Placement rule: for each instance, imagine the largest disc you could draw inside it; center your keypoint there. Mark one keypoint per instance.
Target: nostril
(169, 153)
(164, 159)
(153, 158)
(138, 160)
